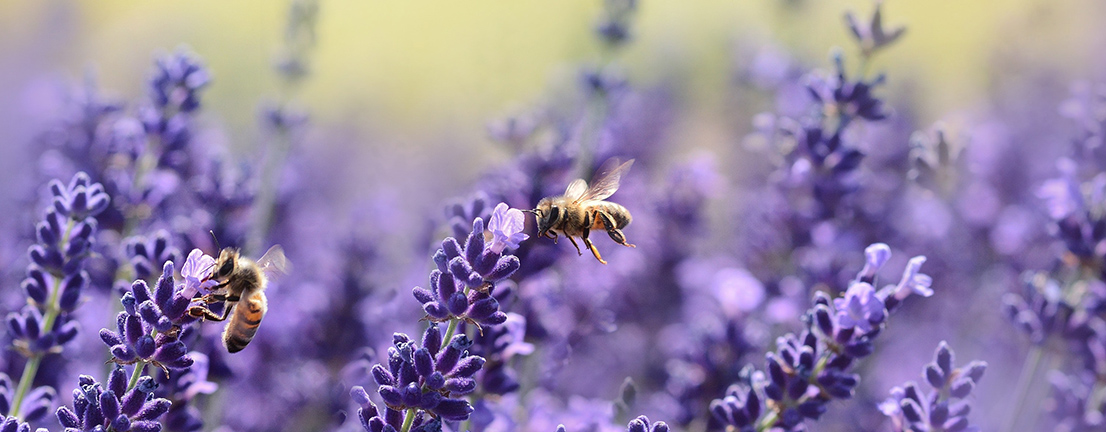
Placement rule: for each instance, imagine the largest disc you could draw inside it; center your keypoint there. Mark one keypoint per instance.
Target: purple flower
(848, 98)
(418, 379)
(56, 276)
(145, 254)
(498, 344)
(813, 368)
(914, 282)
(911, 409)
(871, 36)
(181, 387)
(98, 407)
(875, 256)
(463, 285)
(149, 328)
(860, 308)
(506, 225)
(642, 424)
(176, 82)
(196, 272)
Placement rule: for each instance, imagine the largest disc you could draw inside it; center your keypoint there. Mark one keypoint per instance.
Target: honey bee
(582, 209)
(241, 285)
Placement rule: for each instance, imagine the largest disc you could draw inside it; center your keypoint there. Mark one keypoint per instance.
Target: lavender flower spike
(913, 410)
(506, 225)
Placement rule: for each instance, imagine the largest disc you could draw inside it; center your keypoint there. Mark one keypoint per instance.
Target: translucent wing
(273, 263)
(576, 189)
(606, 181)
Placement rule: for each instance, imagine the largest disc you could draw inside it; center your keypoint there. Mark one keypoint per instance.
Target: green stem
(768, 422)
(449, 331)
(1029, 371)
(136, 374)
(408, 420)
(30, 370)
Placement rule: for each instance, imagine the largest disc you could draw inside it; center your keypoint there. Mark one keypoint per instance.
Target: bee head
(224, 266)
(546, 214)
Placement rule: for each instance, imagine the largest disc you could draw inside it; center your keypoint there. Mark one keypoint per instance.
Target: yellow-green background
(411, 71)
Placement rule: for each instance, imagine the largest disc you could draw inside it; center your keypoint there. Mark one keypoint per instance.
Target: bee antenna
(217, 248)
(534, 211)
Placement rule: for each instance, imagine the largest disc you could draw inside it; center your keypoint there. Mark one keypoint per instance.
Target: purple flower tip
(506, 225)
(875, 256)
(914, 282)
(196, 268)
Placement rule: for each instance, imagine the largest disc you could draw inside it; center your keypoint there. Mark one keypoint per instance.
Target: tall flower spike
(55, 281)
(809, 370)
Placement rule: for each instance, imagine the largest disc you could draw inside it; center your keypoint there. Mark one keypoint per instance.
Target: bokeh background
(403, 101)
(429, 75)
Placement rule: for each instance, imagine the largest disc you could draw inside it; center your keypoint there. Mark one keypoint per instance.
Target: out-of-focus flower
(498, 344)
(614, 27)
(871, 36)
(810, 369)
(181, 387)
(147, 254)
(911, 409)
(846, 98)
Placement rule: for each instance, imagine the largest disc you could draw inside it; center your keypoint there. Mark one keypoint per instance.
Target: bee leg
(552, 235)
(220, 297)
(206, 314)
(615, 233)
(587, 242)
(591, 246)
(223, 284)
(576, 245)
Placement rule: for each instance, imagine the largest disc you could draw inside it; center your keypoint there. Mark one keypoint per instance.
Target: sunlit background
(429, 74)
(400, 96)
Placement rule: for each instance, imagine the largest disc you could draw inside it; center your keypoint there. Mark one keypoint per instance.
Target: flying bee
(582, 209)
(241, 285)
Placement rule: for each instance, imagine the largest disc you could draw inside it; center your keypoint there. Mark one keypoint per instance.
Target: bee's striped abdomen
(617, 213)
(243, 323)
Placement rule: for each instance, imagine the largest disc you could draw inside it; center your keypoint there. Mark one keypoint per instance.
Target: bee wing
(576, 189)
(606, 182)
(273, 263)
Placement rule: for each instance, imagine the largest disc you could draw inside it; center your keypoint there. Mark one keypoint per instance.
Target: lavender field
(804, 235)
